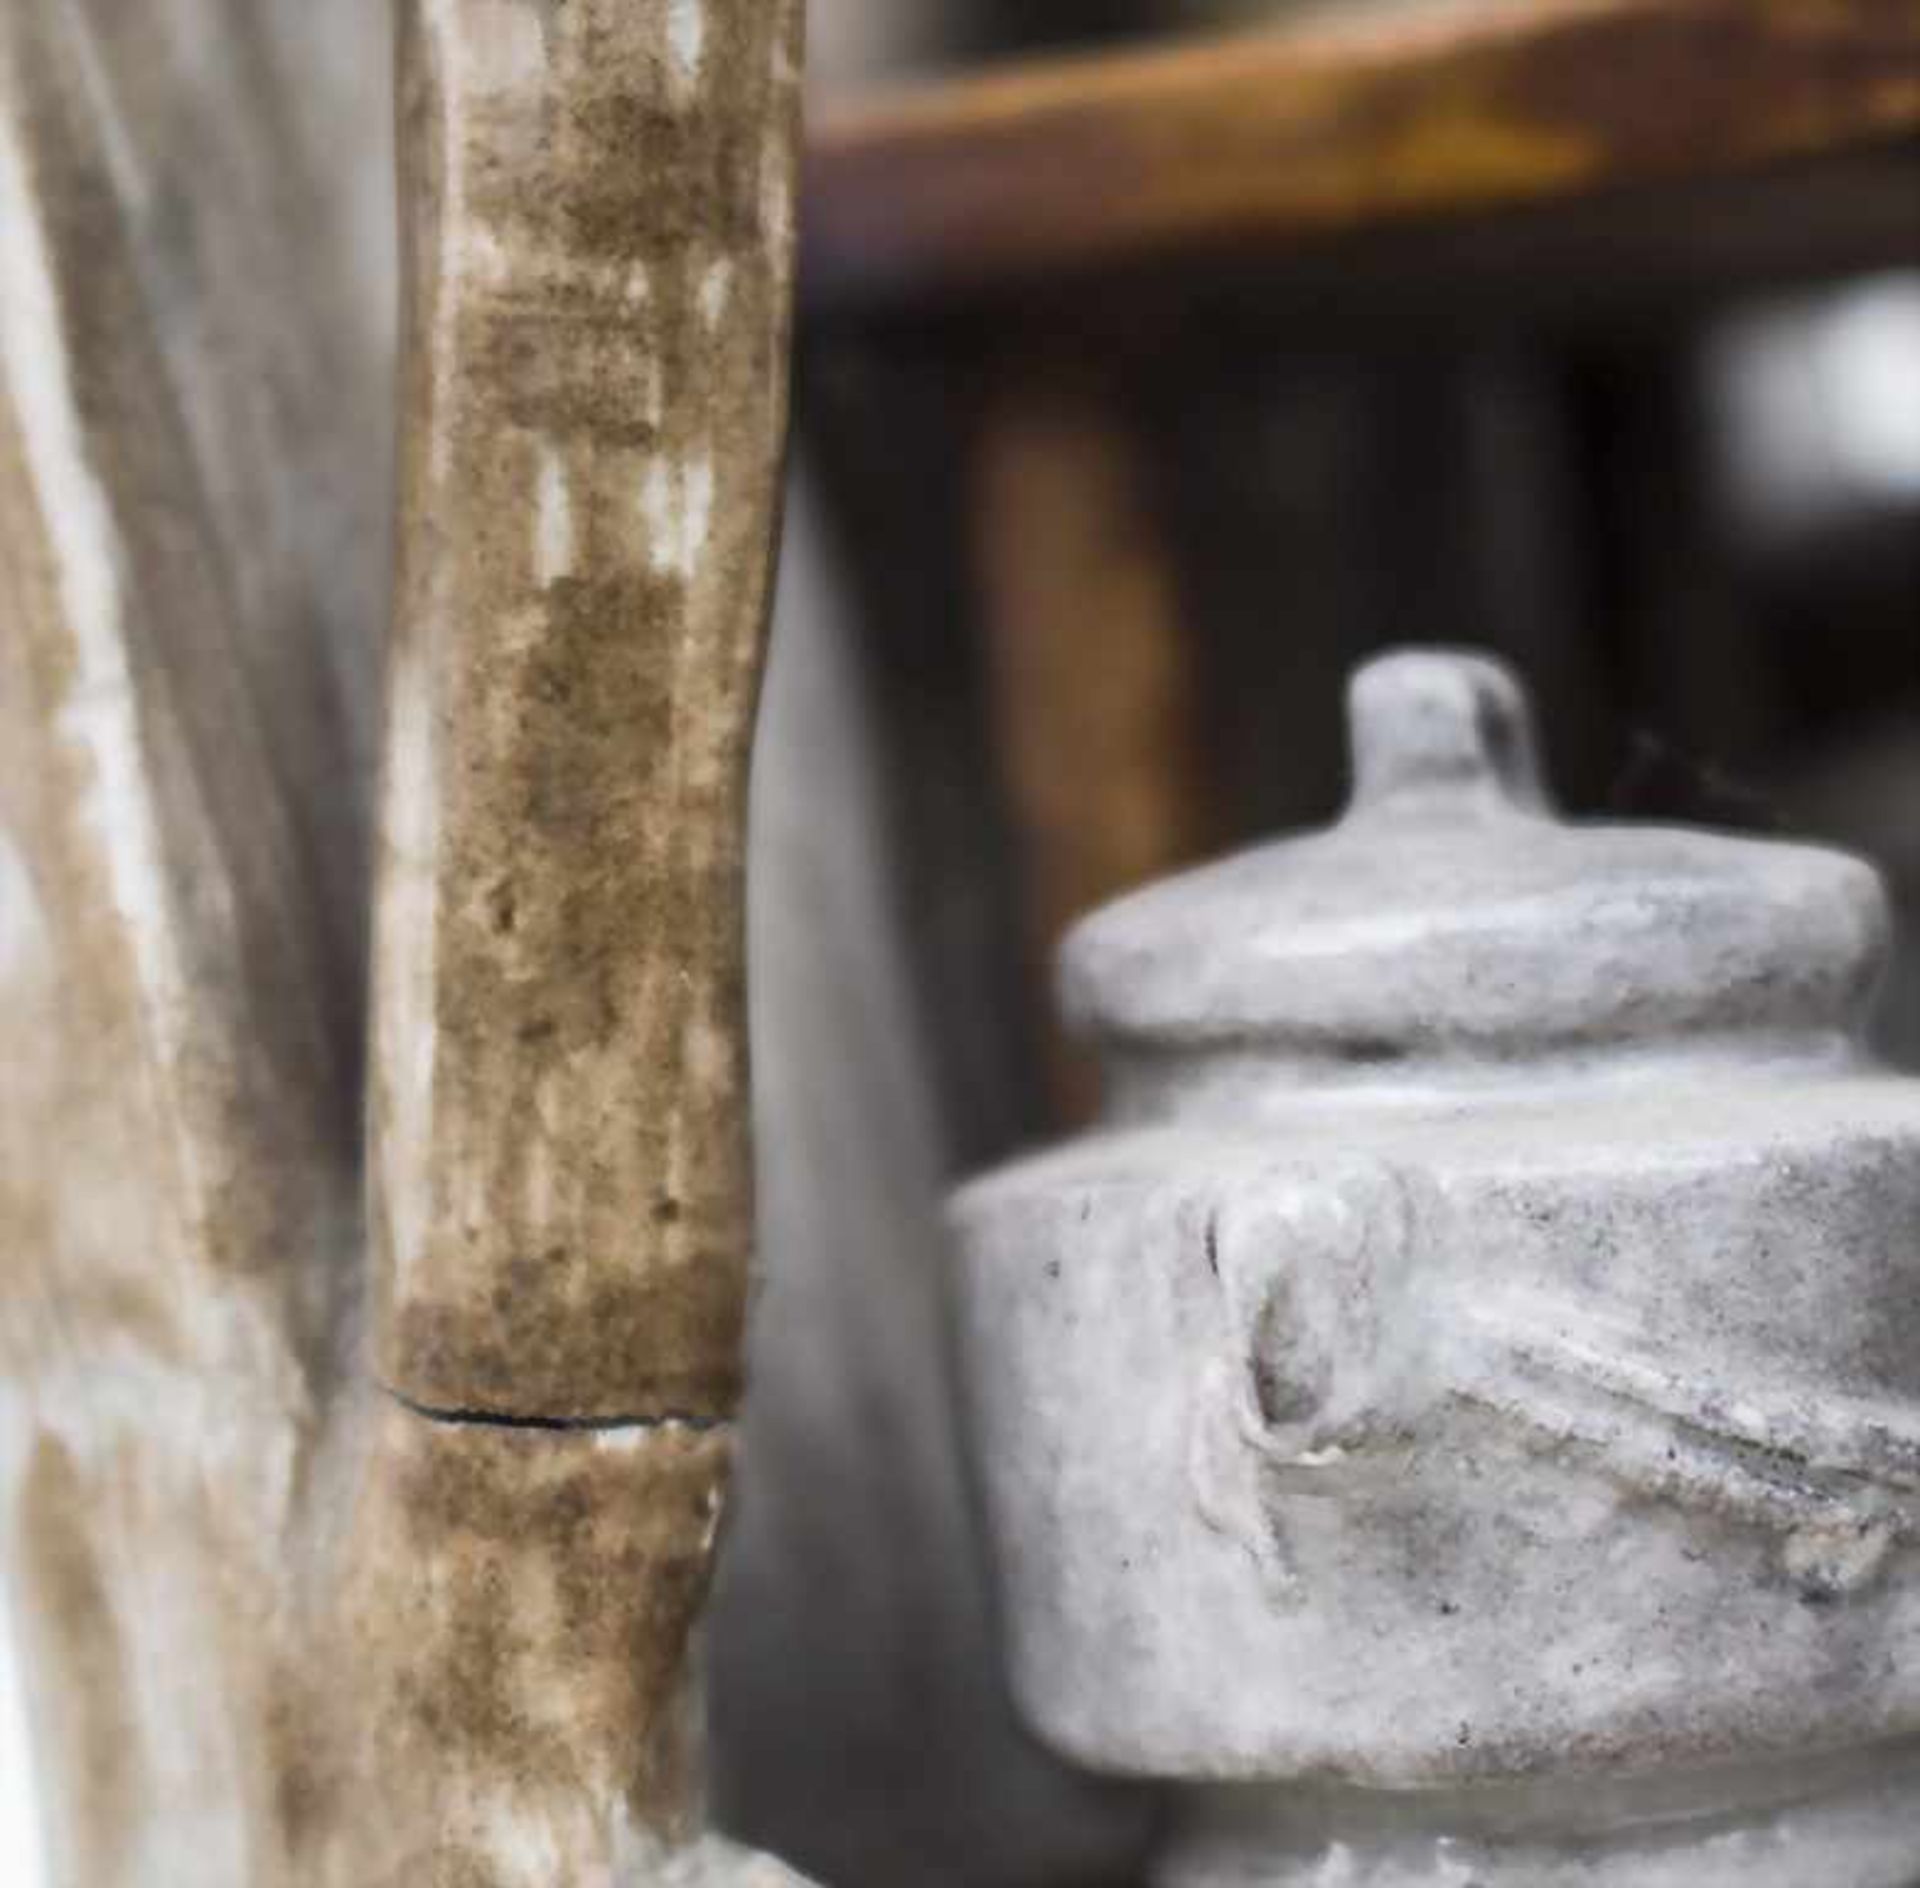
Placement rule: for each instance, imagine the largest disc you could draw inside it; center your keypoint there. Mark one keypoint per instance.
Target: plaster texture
(1459, 1415)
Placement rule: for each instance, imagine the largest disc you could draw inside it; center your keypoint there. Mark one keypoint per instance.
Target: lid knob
(1450, 917)
(1440, 721)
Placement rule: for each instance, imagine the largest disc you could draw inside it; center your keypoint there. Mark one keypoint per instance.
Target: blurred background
(1076, 566)
(1079, 562)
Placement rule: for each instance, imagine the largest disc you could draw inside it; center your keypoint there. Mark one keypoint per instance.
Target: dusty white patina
(1461, 1418)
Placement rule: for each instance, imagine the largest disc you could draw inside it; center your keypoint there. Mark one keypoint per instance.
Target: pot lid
(1451, 911)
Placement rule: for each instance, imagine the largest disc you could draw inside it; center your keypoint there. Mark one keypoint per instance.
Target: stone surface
(1480, 1354)
(1812, 1820)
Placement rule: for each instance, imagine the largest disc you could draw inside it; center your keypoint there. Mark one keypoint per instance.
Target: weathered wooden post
(369, 1560)
(1460, 1421)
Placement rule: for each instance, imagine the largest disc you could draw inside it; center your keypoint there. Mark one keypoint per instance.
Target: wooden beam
(1261, 145)
(598, 277)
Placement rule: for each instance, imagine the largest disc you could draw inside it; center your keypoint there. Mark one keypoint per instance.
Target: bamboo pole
(367, 1558)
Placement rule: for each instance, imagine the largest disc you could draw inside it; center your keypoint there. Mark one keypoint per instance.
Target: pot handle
(1318, 1363)
(1314, 1267)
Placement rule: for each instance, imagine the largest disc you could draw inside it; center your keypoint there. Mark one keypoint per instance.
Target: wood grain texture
(598, 285)
(178, 1145)
(1259, 144)
(518, 1605)
(1093, 675)
(324, 1576)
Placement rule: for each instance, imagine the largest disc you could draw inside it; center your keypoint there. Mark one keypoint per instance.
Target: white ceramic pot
(1461, 1410)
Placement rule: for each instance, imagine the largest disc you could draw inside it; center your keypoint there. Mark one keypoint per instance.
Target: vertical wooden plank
(1095, 690)
(598, 274)
(598, 267)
